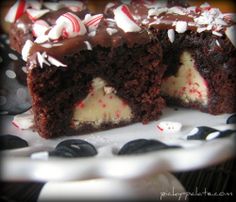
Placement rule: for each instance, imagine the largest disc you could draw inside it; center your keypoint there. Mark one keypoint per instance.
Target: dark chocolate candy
(11, 142)
(143, 146)
(74, 148)
(231, 119)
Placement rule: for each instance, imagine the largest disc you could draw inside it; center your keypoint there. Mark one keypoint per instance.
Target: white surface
(159, 187)
(18, 165)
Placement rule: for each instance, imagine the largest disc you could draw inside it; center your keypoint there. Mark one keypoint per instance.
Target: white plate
(17, 164)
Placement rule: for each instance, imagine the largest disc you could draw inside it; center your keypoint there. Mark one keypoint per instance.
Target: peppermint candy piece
(40, 27)
(48, 60)
(16, 11)
(72, 25)
(26, 49)
(169, 126)
(54, 34)
(171, 35)
(125, 20)
(24, 121)
(92, 22)
(181, 26)
(74, 6)
(55, 62)
(230, 33)
(35, 14)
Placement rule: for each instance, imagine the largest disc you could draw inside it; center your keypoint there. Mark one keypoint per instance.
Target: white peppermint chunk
(88, 45)
(24, 121)
(42, 59)
(26, 49)
(35, 14)
(230, 33)
(169, 126)
(171, 35)
(181, 26)
(55, 62)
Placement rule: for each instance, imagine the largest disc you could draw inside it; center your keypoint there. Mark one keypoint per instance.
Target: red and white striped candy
(56, 32)
(169, 126)
(16, 11)
(35, 14)
(125, 20)
(92, 22)
(72, 25)
(40, 27)
(74, 6)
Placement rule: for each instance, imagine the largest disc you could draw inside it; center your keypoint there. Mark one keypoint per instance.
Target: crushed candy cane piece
(40, 27)
(171, 35)
(41, 59)
(92, 22)
(181, 26)
(72, 25)
(35, 14)
(56, 32)
(55, 62)
(24, 121)
(169, 126)
(41, 39)
(125, 20)
(230, 33)
(26, 49)
(88, 45)
(16, 11)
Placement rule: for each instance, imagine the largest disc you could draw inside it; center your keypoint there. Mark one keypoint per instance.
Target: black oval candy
(143, 146)
(74, 148)
(201, 133)
(226, 133)
(11, 142)
(231, 119)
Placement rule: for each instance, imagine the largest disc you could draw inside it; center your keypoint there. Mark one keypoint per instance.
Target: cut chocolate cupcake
(94, 81)
(199, 51)
(93, 72)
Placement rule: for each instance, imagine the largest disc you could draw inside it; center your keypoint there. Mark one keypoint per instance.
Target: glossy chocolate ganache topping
(71, 33)
(66, 31)
(198, 19)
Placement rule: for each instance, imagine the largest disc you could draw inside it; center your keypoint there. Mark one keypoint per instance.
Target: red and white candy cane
(39, 27)
(16, 11)
(35, 14)
(92, 22)
(125, 20)
(72, 25)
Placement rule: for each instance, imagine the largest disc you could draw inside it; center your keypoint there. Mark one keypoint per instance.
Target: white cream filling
(101, 105)
(187, 85)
